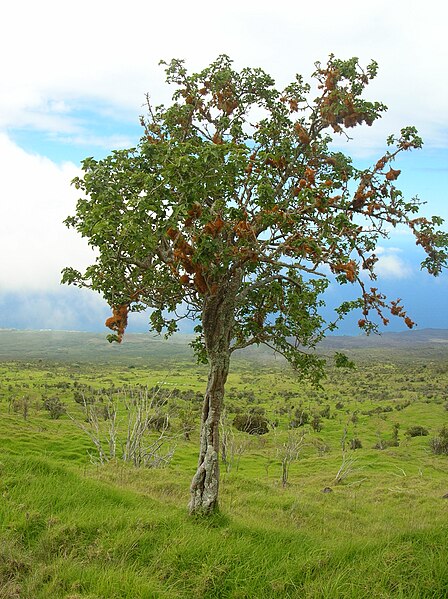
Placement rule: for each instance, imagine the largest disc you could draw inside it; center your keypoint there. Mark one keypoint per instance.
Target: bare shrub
(347, 468)
(231, 448)
(289, 452)
(124, 428)
(21, 404)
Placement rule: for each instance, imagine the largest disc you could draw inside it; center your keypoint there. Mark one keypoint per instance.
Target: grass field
(74, 528)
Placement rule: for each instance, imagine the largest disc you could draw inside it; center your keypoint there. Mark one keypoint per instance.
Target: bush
(82, 398)
(257, 410)
(355, 443)
(385, 443)
(301, 418)
(417, 431)
(325, 412)
(158, 422)
(55, 407)
(316, 423)
(254, 424)
(439, 445)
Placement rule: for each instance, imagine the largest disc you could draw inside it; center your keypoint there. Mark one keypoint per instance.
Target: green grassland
(72, 527)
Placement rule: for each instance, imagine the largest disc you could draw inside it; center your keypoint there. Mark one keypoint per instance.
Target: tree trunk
(217, 325)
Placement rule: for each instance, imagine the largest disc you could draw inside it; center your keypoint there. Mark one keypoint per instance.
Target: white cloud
(116, 142)
(102, 56)
(35, 198)
(391, 265)
(108, 52)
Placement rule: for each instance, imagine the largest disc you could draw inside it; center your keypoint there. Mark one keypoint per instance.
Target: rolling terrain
(340, 495)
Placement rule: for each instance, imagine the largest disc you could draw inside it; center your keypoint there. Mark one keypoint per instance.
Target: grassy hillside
(74, 528)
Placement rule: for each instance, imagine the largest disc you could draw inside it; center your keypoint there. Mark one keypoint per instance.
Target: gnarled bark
(217, 323)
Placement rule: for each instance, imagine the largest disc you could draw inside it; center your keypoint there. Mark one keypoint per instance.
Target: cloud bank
(106, 54)
(34, 243)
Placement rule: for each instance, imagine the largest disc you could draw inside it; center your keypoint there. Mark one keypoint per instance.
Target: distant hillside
(405, 340)
(80, 346)
(76, 346)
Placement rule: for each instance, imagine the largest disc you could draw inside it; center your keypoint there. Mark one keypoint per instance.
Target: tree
(234, 210)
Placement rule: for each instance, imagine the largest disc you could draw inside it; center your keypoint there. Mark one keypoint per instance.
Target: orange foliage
(279, 163)
(193, 214)
(243, 229)
(381, 163)
(302, 134)
(119, 320)
(409, 322)
(310, 175)
(293, 105)
(392, 174)
(348, 268)
(332, 78)
(183, 251)
(225, 100)
(172, 233)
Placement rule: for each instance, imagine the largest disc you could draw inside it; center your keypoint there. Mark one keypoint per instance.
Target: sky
(73, 83)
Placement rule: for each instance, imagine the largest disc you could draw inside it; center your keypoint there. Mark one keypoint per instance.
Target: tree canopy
(235, 210)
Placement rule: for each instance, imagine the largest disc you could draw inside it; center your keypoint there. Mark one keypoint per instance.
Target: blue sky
(75, 82)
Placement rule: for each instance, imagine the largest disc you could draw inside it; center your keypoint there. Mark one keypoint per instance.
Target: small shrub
(301, 418)
(316, 423)
(158, 422)
(259, 410)
(439, 445)
(395, 440)
(355, 443)
(254, 424)
(325, 412)
(187, 422)
(20, 405)
(384, 443)
(379, 445)
(377, 411)
(82, 398)
(55, 407)
(417, 431)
